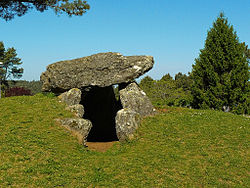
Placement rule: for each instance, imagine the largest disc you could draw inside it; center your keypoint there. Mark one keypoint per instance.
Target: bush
(17, 91)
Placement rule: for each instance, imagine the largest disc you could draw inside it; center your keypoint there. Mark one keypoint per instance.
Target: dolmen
(87, 85)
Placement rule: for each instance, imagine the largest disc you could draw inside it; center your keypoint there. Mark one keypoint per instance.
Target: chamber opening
(101, 106)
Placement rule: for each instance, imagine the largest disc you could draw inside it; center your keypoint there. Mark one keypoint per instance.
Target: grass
(176, 148)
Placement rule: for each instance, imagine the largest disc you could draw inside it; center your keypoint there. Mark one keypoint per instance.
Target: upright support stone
(71, 97)
(78, 109)
(78, 126)
(132, 97)
(127, 122)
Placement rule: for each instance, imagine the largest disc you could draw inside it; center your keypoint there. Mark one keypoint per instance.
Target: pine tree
(220, 73)
(9, 64)
(183, 81)
(11, 8)
(167, 77)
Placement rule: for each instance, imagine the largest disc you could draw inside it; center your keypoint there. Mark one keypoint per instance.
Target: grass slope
(176, 148)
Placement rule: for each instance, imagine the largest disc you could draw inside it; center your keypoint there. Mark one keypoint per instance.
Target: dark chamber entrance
(101, 106)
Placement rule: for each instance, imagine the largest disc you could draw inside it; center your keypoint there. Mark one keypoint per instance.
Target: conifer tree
(11, 8)
(9, 64)
(221, 72)
(167, 77)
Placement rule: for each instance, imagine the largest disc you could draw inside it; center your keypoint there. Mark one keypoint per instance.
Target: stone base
(103, 118)
(78, 127)
(127, 122)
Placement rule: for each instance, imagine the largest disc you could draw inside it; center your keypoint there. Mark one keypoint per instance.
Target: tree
(220, 73)
(167, 77)
(183, 81)
(247, 53)
(165, 91)
(10, 8)
(10, 63)
(147, 83)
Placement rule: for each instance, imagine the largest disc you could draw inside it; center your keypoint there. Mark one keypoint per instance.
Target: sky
(172, 31)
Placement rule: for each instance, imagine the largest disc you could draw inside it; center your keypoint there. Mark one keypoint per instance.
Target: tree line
(34, 86)
(168, 90)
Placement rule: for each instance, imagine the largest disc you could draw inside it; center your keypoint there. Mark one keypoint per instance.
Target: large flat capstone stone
(103, 69)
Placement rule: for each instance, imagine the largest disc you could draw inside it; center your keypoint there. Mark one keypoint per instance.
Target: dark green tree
(183, 81)
(11, 8)
(9, 67)
(167, 77)
(220, 73)
(147, 83)
(247, 53)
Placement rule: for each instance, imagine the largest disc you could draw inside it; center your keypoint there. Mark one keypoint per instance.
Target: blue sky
(173, 31)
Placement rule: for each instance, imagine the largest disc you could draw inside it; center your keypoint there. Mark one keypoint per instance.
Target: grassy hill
(177, 148)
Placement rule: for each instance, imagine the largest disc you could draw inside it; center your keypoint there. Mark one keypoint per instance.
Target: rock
(78, 109)
(127, 121)
(132, 97)
(87, 84)
(103, 69)
(78, 126)
(71, 97)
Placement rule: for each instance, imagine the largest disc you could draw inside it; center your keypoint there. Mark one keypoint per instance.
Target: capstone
(102, 70)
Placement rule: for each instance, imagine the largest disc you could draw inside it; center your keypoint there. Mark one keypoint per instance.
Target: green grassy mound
(176, 148)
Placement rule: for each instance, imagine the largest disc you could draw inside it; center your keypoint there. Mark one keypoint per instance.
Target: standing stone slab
(78, 109)
(103, 69)
(127, 122)
(132, 97)
(71, 97)
(78, 126)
